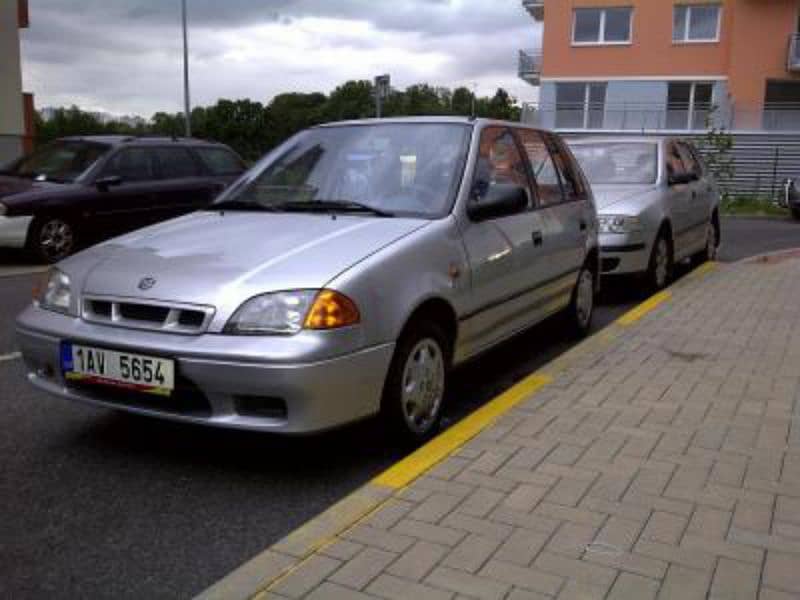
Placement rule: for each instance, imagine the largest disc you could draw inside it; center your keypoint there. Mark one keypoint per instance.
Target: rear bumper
(218, 390)
(14, 231)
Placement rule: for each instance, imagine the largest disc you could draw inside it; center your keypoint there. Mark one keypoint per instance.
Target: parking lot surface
(660, 460)
(104, 504)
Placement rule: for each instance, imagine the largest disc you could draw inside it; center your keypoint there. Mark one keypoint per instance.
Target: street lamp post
(382, 86)
(187, 115)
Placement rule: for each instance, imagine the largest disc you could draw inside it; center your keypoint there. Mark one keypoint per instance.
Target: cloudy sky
(124, 56)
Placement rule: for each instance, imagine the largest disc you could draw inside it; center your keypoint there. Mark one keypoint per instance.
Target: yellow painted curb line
(648, 306)
(415, 464)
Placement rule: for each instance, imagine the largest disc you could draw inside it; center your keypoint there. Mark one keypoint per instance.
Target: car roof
(620, 140)
(119, 140)
(424, 120)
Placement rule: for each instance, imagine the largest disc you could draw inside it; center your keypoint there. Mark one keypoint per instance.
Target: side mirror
(498, 200)
(104, 183)
(682, 178)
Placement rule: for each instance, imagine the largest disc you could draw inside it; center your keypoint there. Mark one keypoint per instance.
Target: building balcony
(535, 8)
(793, 62)
(530, 66)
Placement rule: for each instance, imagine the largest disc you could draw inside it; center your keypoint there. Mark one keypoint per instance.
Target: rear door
(127, 206)
(185, 186)
(506, 254)
(562, 201)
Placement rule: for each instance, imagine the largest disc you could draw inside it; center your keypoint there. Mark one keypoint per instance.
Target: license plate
(136, 372)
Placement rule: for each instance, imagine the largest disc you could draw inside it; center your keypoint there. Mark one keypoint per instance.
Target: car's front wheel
(660, 269)
(709, 252)
(52, 239)
(415, 387)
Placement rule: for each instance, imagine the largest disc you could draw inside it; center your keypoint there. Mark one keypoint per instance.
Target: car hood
(19, 194)
(221, 259)
(607, 196)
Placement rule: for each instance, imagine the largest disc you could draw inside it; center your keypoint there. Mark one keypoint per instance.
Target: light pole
(187, 115)
(382, 83)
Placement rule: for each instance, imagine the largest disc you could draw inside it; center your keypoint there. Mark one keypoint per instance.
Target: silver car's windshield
(618, 162)
(408, 169)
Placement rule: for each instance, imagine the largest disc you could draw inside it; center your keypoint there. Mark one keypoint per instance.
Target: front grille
(153, 316)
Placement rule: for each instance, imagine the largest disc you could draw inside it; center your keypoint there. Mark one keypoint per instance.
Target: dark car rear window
(220, 161)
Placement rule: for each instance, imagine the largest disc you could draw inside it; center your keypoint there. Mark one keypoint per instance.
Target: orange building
(666, 64)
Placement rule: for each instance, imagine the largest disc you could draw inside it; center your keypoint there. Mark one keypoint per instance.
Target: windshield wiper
(241, 205)
(334, 206)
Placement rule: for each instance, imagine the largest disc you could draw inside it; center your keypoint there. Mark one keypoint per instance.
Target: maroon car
(80, 190)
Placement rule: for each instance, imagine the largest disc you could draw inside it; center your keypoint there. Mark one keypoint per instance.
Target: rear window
(220, 161)
(618, 162)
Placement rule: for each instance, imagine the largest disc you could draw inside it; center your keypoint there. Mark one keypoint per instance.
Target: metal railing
(535, 8)
(530, 66)
(793, 59)
(775, 117)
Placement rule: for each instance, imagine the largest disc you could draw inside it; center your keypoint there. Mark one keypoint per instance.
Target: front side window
(132, 164)
(61, 162)
(408, 169)
(618, 163)
(571, 180)
(499, 162)
(675, 164)
(580, 105)
(696, 23)
(548, 184)
(602, 26)
(689, 104)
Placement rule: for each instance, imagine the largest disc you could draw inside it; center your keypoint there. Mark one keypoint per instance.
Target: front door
(184, 188)
(506, 254)
(679, 196)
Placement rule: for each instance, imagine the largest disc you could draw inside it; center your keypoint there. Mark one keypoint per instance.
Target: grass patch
(751, 206)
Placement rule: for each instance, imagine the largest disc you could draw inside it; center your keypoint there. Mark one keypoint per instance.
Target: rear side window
(177, 163)
(544, 169)
(573, 186)
(220, 161)
(132, 164)
(500, 161)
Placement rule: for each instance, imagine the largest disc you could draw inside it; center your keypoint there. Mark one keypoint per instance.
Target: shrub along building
(679, 66)
(16, 108)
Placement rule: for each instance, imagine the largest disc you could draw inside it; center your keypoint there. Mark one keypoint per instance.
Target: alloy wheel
(423, 385)
(56, 239)
(584, 299)
(661, 270)
(711, 242)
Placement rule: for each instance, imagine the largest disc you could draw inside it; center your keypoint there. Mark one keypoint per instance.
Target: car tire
(796, 213)
(581, 306)
(415, 387)
(659, 271)
(51, 239)
(709, 252)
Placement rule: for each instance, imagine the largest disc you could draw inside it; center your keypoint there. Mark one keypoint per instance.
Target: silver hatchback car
(657, 201)
(341, 277)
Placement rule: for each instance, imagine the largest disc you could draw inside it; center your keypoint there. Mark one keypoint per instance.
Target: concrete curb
(268, 568)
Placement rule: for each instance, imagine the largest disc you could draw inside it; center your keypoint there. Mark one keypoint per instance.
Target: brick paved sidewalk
(662, 462)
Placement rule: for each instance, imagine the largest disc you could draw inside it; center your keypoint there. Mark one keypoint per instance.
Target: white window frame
(688, 20)
(602, 33)
(692, 108)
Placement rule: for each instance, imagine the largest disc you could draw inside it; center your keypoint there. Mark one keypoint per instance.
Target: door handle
(537, 237)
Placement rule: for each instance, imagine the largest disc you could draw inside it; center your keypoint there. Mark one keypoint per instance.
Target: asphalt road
(98, 504)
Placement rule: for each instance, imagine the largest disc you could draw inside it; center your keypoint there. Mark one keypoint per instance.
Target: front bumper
(14, 231)
(218, 389)
(624, 254)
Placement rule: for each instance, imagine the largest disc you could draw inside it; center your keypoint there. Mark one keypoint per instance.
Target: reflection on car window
(409, 169)
(60, 161)
(675, 165)
(618, 162)
(689, 159)
(548, 184)
(499, 161)
(131, 164)
(572, 184)
(176, 163)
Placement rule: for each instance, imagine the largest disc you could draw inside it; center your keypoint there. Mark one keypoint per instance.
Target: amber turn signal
(332, 310)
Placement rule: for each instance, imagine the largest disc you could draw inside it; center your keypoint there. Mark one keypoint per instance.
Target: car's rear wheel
(709, 252)
(52, 239)
(415, 387)
(581, 308)
(659, 272)
(796, 213)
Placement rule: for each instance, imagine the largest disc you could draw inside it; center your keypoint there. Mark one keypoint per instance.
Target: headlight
(288, 313)
(56, 293)
(619, 224)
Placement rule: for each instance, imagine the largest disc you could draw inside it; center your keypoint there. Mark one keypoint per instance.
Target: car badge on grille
(146, 283)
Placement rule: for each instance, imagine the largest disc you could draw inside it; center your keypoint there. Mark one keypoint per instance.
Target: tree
(352, 100)
(462, 102)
